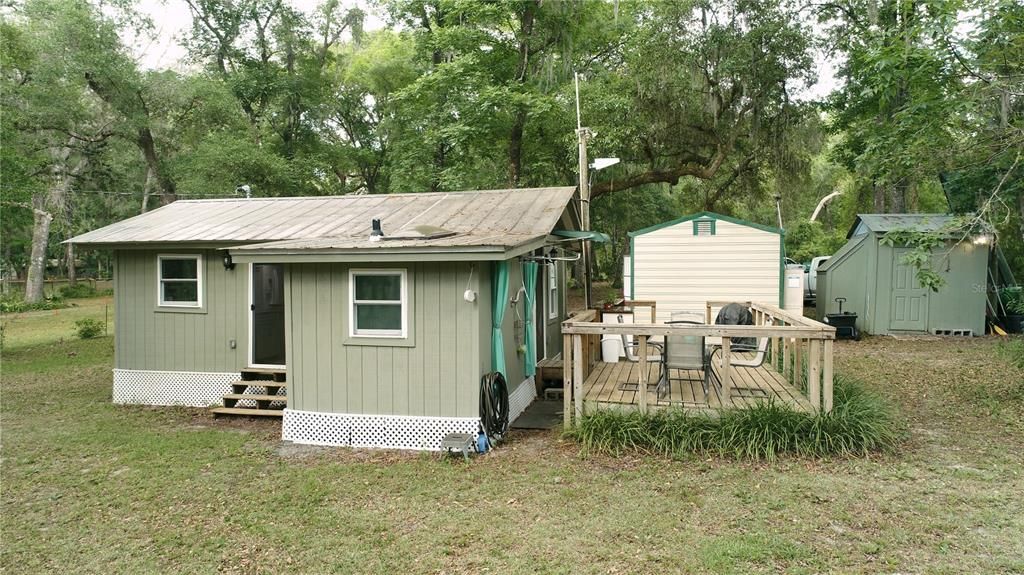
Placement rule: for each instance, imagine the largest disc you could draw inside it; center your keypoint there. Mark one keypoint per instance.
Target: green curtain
(499, 302)
(530, 283)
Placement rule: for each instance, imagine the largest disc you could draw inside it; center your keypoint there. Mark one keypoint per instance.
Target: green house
(884, 291)
(364, 338)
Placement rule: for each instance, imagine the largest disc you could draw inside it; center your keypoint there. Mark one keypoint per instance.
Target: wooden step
(263, 374)
(246, 411)
(255, 397)
(261, 383)
(271, 386)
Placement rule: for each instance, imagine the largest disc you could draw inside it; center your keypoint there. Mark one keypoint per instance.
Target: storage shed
(884, 290)
(703, 257)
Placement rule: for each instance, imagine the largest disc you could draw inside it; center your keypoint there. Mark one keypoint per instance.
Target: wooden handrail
(661, 329)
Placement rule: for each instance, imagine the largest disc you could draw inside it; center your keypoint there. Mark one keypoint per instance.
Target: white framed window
(379, 303)
(179, 280)
(552, 290)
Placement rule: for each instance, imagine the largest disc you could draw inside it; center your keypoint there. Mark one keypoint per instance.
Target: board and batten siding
(681, 271)
(148, 337)
(436, 373)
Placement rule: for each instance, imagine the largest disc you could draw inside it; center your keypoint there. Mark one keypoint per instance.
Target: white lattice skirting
(389, 431)
(386, 431)
(521, 397)
(189, 388)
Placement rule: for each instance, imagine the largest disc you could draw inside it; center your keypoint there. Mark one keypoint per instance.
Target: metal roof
(883, 223)
(493, 218)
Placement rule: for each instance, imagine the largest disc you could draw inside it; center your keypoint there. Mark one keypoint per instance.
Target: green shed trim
(782, 270)
(700, 215)
(698, 221)
(632, 267)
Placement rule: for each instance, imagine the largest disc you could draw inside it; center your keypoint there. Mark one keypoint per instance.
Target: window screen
(180, 279)
(378, 303)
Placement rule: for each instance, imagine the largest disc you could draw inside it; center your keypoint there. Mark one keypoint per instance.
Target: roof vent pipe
(376, 234)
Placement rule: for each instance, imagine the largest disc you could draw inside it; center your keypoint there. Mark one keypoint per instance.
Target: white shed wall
(682, 271)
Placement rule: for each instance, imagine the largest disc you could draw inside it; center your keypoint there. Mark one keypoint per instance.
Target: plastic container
(611, 345)
(793, 284)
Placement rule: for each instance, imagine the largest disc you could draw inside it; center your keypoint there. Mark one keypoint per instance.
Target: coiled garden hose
(494, 406)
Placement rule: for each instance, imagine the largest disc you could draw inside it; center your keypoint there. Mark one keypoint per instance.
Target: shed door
(909, 309)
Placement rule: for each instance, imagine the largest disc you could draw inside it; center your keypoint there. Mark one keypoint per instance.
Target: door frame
(252, 319)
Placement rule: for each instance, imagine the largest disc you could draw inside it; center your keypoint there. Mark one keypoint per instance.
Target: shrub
(15, 304)
(88, 328)
(1013, 299)
(859, 423)
(78, 290)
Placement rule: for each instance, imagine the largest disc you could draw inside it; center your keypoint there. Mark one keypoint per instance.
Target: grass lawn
(44, 326)
(91, 487)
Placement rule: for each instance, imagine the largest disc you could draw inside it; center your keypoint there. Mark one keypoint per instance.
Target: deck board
(750, 385)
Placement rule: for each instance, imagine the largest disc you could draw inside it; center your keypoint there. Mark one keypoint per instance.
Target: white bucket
(611, 348)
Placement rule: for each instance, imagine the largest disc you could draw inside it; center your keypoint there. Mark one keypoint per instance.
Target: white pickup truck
(811, 277)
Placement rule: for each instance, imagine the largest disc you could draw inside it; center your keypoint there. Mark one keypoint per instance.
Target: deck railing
(800, 349)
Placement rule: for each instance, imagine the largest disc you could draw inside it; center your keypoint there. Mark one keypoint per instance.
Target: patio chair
(686, 352)
(629, 349)
(748, 356)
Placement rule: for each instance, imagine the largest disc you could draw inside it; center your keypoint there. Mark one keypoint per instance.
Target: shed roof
(498, 219)
(883, 223)
(705, 215)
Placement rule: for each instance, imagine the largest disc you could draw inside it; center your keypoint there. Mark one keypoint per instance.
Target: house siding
(438, 375)
(681, 271)
(179, 340)
(553, 327)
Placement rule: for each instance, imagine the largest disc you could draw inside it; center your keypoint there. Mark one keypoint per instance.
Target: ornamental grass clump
(859, 423)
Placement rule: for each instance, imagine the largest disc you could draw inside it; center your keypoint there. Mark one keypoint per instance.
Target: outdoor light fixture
(602, 163)
(983, 239)
(228, 264)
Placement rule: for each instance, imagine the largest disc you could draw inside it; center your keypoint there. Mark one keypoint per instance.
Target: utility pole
(584, 134)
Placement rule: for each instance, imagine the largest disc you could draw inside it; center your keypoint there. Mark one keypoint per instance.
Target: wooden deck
(615, 384)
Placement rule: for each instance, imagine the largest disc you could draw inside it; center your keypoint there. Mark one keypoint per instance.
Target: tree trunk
(147, 187)
(879, 198)
(898, 199)
(166, 185)
(1020, 214)
(37, 262)
(70, 256)
(515, 143)
(439, 160)
(515, 150)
